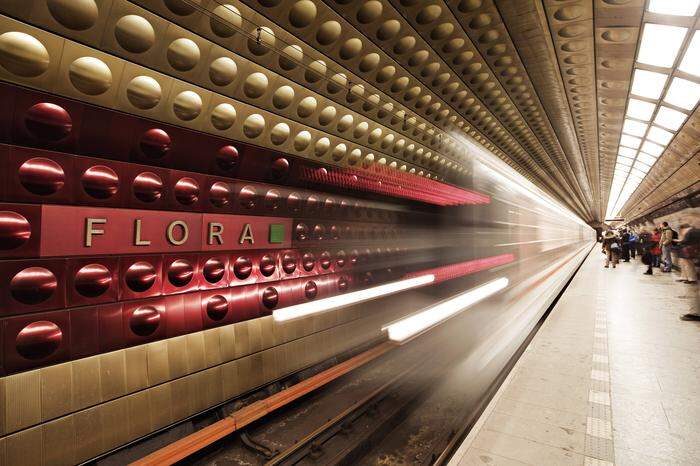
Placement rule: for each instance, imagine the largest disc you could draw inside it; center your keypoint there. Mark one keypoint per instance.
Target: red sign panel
(75, 231)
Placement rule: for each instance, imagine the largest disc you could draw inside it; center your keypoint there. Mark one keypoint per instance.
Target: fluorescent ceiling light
(633, 180)
(627, 157)
(660, 44)
(641, 167)
(674, 7)
(635, 128)
(625, 162)
(659, 135)
(648, 83)
(683, 93)
(355, 297)
(640, 110)
(637, 172)
(646, 158)
(691, 59)
(415, 324)
(627, 152)
(669, 118)
(653, 149)
(630, 141)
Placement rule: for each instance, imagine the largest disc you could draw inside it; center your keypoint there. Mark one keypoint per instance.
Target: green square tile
(276, 233)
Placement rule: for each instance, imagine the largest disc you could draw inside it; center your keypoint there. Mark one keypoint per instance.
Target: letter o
(171, 229)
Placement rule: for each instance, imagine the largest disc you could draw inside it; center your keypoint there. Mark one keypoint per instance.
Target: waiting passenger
(690, 244)
(652, 250)
(656, 248)
(611, 248)
(633, 244)
(688, 249)
(625, 243)
(666, 242)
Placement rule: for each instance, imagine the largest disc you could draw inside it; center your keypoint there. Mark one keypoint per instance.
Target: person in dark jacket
(687, 247)
(689, 254)
(633, 244)
(625, 245)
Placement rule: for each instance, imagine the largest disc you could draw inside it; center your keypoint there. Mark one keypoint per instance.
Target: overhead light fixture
(635, 128)
(625, 157)
(418, 323)
(322, 305)
(691, 59)
(627, 152)
(641, 167)
(648, 84)
(637, 172)
(646, 158)
(659, 135)
(630, 141)
(633, 177)
(652, 148)
(670, 118)
(674, 7)
(660, 44)
(683, 93)
(624, 162)
(640, 110)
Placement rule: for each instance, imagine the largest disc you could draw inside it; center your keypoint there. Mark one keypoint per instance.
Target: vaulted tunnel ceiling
(595, 101)
(543, 84)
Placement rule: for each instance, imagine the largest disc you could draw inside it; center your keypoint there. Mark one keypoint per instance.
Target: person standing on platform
(689, 254)
(633, 244)
(625, 245)
(611, 248)
(666, 244)
(688, 250)
(650, 249)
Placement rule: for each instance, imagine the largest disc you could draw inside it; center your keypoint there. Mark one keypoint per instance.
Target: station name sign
(70, 231)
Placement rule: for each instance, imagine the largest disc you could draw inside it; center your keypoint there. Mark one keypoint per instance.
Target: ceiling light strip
(667, 96)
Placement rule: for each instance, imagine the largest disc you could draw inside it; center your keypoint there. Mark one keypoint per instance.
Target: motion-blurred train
(134, 295)
(152, 266)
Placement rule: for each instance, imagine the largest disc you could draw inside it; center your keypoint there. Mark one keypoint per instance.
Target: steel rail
(196, 441)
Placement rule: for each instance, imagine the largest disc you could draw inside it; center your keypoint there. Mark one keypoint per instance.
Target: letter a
(246, 235)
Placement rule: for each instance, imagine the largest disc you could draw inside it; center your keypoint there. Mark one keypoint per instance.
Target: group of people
(657, 248)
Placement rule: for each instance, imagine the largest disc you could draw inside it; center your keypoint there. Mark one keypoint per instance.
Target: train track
(342, 439)
(410, 406)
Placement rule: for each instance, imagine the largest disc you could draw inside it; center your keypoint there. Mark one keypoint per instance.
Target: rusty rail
(196, 441)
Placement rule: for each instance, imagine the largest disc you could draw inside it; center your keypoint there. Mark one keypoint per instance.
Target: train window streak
(572, 238)
(413, 325)
(355, 297)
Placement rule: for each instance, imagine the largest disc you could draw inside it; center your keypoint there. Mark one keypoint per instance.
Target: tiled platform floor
(612, 377)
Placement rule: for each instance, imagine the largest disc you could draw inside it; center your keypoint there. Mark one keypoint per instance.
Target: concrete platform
(612, 377)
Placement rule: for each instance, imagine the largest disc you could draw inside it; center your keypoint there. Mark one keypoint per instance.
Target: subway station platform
(611, 377)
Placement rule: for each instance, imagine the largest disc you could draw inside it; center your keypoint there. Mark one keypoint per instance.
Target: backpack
(674, 234)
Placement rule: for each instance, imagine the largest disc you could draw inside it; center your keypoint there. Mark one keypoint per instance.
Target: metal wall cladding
(93, 76)
(102, 402)
(113, 111)
(137, 309)
(129, 32)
